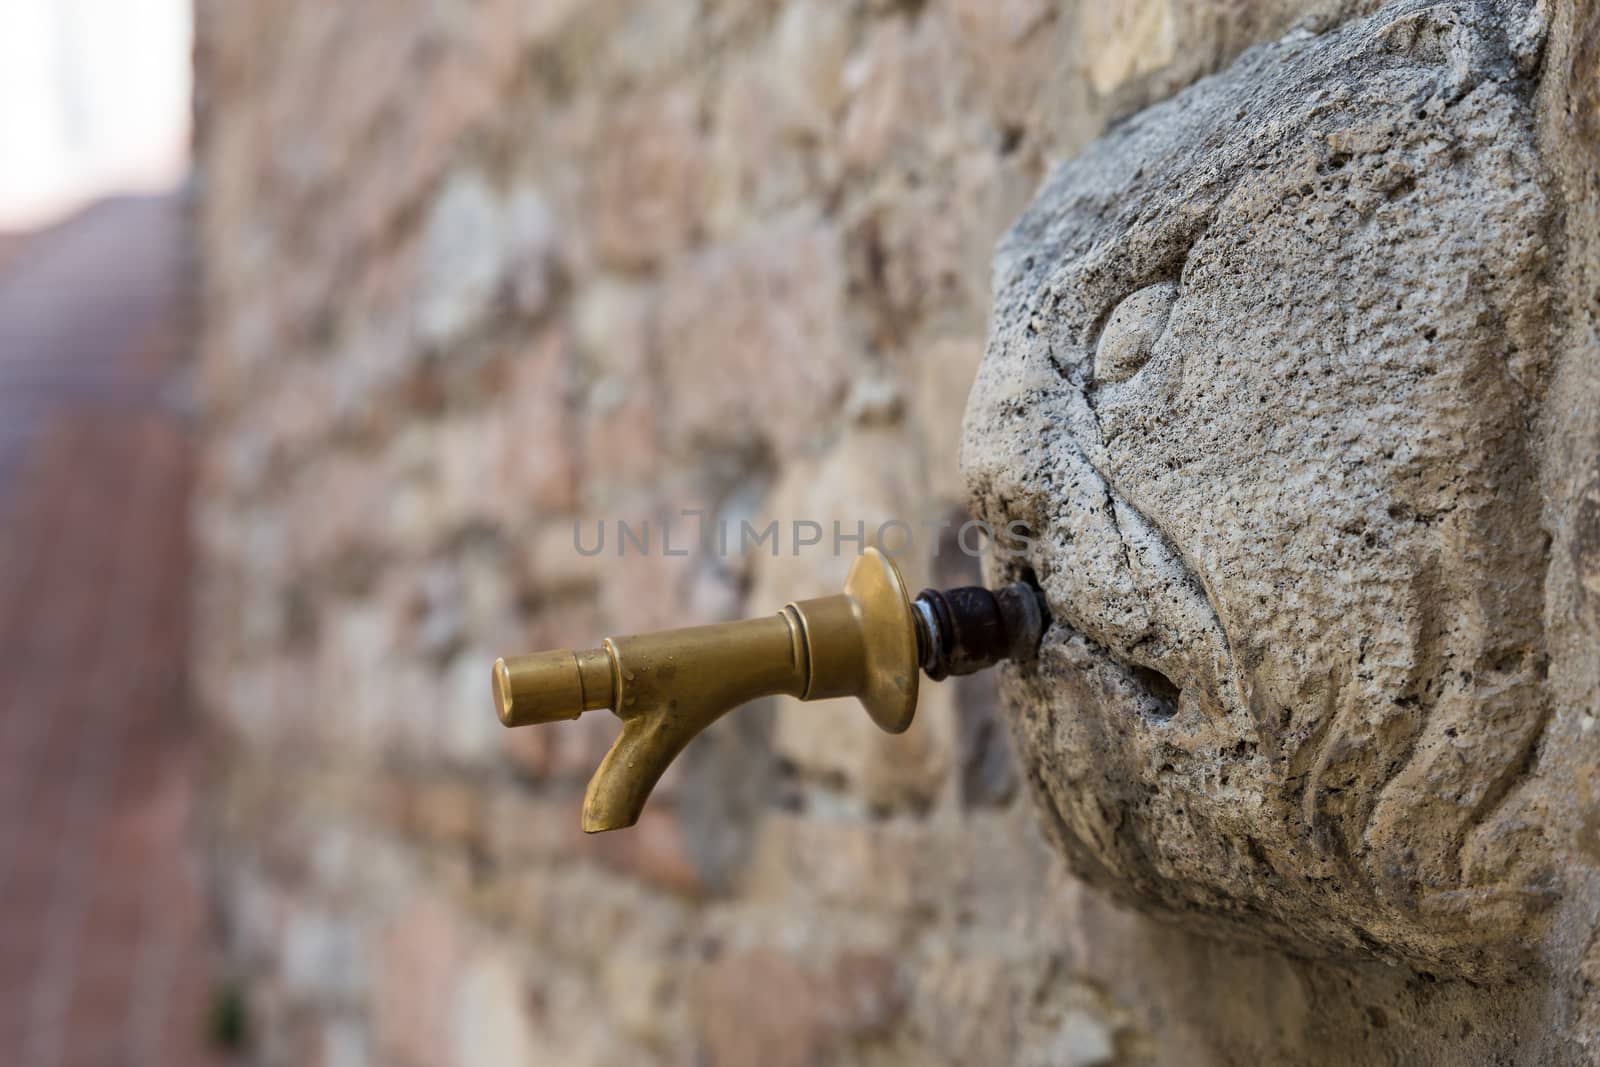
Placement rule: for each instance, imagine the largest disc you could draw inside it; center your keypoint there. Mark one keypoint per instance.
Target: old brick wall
(477, 269)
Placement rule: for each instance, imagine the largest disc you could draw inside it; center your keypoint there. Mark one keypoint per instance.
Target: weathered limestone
(1266, 378)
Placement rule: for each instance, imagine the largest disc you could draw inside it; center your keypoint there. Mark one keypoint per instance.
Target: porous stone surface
(1262, 372)
(1265, 383)
(479, 270)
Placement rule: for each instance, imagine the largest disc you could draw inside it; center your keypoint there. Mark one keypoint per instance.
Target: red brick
(93, 624)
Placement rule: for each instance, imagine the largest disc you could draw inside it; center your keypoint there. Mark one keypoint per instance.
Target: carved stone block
(1261, 377)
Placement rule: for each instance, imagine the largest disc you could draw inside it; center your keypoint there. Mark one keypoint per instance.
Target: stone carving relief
(1262, 371)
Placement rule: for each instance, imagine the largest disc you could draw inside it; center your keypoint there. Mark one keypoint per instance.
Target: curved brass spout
(673, 685)
(866, 642)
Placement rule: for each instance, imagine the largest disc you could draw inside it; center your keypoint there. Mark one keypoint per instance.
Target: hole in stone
(1025, 574)
(1160, 693)
(1506, 660)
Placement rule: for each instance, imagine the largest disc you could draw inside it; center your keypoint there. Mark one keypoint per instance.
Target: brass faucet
(868, 642)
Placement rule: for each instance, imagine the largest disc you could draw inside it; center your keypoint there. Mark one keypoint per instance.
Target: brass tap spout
(867, 642)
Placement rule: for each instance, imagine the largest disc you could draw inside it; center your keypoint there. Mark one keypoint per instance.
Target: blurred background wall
(476, 269)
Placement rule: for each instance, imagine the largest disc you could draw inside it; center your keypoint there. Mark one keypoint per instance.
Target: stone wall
(477, 269)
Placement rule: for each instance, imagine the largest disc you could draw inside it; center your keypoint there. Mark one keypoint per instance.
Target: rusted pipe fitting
(962, 631)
